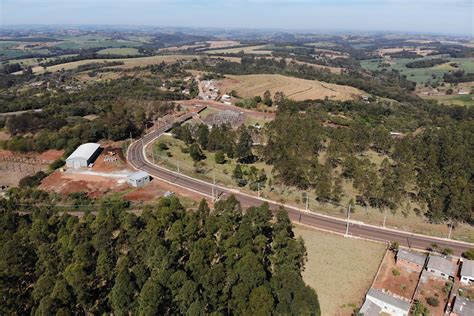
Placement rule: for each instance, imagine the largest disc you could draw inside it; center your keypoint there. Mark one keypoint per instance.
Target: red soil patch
(94, 186)
(403, 284)
(110, 159)
(433, 288)
(51, 155)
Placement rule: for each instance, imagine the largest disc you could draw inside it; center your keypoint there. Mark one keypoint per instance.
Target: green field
(420, 75)
(464, 100)
(124, 51)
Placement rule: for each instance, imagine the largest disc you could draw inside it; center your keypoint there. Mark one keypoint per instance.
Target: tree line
(166, 261)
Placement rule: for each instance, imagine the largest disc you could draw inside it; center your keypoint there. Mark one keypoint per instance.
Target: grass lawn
(466, 99)
(340, 269)
(119, 51)
(421, 75)
(401, 219)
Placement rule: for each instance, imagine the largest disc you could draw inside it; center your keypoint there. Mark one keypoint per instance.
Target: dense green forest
(426, 63)
(166, 261)
(432, 167)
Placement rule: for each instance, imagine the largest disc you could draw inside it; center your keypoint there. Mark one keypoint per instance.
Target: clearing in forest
(248, 86)
(340, 269)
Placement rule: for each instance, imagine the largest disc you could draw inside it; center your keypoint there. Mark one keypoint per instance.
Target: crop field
(119, 51)
(222, 44)
(128, 62)
(465, 99)
(92, 41)
(258, 49)
(421, 75)
(340, 269)
(249, 86)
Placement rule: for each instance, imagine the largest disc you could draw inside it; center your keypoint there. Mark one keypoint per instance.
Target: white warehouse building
(138, 179)
(83, 156)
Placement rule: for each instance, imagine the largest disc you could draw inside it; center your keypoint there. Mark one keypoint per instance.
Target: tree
(122, 294)
(469, 254)
(202, 136)
(267, 98)
(219, 157)
(196, 153)
(243, 151)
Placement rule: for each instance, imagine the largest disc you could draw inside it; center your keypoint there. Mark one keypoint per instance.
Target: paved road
(135, 157)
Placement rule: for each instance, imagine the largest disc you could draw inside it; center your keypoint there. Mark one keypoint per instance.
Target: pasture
(420, 75)
(125, 51)
(248, 86)
(257, 49)
(340, 269)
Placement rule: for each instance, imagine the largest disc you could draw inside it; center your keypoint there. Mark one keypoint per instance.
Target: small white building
(467, 272)
(378, 302)
(440, 267)
(138, 179)
(83, 156)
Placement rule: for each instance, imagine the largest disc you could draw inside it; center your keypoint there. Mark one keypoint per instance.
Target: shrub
(432, 301)
(163, 146)
(34, 180)
(219, 157)
(395, 272)
(469, 254)
(58, 163)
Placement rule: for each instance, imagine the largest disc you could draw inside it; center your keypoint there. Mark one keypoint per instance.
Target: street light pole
(348, 217)
(307, 201)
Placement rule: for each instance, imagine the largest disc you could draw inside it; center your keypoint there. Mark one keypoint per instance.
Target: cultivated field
(119, 51)
(222, 44)
(257, 49)
(340, 269)
(128, 62)
(249, 86)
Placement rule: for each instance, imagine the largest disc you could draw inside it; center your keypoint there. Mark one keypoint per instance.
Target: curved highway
(136, 158)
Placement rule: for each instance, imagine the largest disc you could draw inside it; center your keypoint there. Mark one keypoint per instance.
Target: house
(467, 272)
(440, 267)
(138, 179)
(410, 260)
(378, 302)
(83, 156)
(462, 307)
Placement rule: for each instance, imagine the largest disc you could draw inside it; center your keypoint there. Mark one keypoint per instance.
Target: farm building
(462, 307)
(138, 179)
(410, 260)
(83, 156)
(440, 267)
(378, 302)
(467, 272)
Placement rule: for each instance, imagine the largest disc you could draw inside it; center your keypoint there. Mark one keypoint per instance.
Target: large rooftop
(85, 151)
(411, 256)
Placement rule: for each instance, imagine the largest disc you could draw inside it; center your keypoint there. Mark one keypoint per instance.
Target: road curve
(137, 159)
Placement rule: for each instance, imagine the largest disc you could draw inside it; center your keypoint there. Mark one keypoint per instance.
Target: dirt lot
(433, 288)
(14, 167)
(403, 284)
(341, 270)
(298, 89)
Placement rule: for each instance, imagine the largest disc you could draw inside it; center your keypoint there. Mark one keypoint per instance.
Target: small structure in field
(462, 307)
(83, 156)
(138, 179)
(410, 260)
(440, 267)
(378, 302)
(467, 272)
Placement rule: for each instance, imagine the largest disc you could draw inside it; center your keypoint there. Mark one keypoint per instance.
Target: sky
(417, 16)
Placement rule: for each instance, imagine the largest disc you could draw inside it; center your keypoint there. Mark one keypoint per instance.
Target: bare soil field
(433, 288)
(248, 86)
(4, 135)
(396, 279)
(340, 269)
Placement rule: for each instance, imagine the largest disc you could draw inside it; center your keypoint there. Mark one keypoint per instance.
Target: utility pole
(307, 201)
(384, 216)
(178, 166)
(153, 154)
(450, 230)
(258, 189)
(348, 217)
(213, 185)
(131, 139)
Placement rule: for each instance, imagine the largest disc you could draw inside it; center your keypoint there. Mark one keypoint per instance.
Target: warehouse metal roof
(85, 151)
